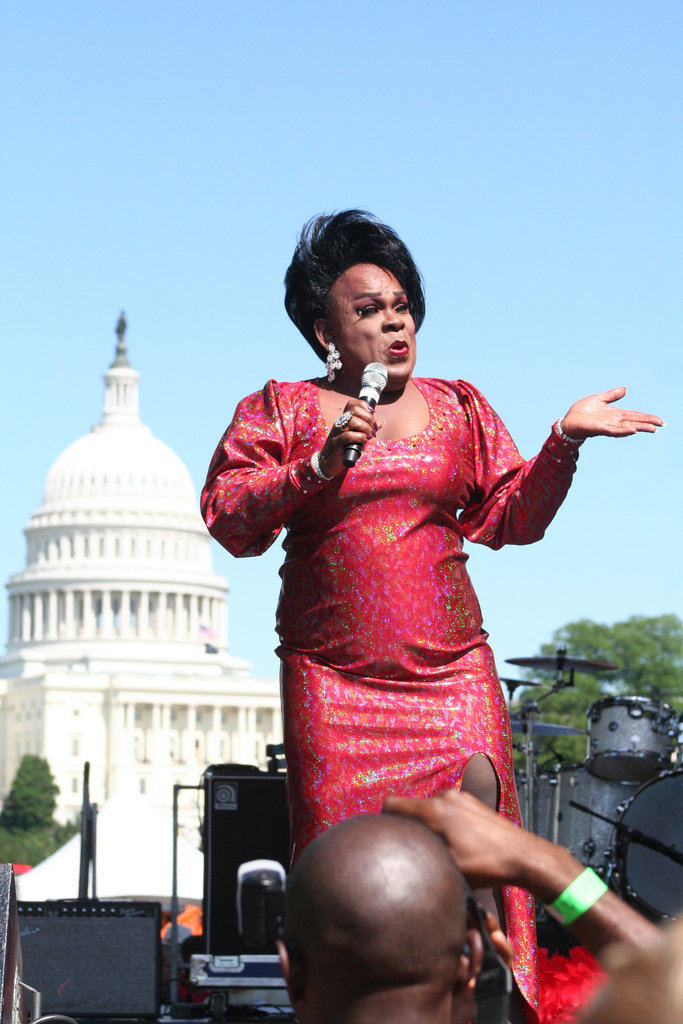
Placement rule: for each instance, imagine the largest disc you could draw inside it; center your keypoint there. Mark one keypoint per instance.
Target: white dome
(125, 465)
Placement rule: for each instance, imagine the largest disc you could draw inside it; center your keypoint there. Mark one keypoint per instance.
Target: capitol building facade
(117, 650)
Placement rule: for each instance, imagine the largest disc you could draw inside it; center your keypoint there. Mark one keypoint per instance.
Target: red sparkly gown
(388, 683)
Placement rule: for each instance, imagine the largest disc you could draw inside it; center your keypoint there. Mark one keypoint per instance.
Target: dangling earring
(333, 362)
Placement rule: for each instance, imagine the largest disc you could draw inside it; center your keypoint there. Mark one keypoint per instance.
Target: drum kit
(621, 811)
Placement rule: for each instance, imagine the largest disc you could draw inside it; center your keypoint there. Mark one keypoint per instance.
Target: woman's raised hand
(594, 416)
(357, 428)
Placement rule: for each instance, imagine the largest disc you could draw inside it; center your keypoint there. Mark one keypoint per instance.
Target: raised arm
(491, 852)
(595, 416)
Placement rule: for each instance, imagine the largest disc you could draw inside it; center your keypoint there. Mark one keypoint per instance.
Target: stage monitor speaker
(12, 1004)
(245, 818)
(93, 958)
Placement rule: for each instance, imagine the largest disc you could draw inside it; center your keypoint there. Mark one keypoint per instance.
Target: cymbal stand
(528, 710)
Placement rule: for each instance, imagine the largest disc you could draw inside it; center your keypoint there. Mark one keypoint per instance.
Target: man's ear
(471, 959)
(292, 972)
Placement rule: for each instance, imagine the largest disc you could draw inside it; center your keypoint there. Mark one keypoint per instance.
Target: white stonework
(117, 651)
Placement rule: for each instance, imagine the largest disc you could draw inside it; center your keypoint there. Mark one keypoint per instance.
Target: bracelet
(315, 464)
(579, 896)
(566, 437)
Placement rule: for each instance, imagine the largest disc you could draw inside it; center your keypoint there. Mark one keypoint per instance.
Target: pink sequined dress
(388, 683)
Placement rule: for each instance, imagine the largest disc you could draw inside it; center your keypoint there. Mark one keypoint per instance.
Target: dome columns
(139, 612)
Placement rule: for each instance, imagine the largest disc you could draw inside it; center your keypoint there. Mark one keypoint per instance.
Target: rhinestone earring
(333, 362)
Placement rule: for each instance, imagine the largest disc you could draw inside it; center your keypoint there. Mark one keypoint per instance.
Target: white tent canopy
(133, 858)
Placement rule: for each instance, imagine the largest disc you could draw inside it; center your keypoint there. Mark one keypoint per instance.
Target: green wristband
(579, 896)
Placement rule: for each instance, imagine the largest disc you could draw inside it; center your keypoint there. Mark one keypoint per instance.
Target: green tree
(32, 799)
(28, 831)
(649, 656)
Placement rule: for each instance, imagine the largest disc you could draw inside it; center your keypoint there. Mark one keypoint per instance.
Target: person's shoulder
(461, 389)
(277, 390)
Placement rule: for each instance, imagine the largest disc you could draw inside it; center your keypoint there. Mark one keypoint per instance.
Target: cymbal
(518, 682)
(546, 728)
(553, 663)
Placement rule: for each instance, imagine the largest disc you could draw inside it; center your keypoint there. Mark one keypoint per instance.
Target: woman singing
(388, 683)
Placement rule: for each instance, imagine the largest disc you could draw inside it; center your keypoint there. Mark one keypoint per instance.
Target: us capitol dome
(117, 651)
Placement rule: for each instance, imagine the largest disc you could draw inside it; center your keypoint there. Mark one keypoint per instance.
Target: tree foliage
(32, 798)
(28, 831)
(649, 655)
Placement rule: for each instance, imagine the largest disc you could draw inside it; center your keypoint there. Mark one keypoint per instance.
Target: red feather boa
(566, 984)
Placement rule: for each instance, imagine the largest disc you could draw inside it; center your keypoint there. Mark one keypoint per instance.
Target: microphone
(372, 385)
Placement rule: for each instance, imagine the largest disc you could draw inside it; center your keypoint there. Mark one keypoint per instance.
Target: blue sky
(162, 157)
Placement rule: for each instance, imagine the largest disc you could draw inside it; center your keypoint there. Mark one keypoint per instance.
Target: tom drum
(630, 738)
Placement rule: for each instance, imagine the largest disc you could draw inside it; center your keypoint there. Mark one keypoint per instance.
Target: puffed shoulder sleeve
(253, 486)
(513, 501)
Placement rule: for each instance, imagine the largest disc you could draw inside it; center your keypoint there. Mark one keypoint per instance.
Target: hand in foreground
(360, 428)
(594, 416)
(491, 852)
(487, 848)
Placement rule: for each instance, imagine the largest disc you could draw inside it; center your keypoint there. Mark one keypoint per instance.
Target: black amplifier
(92, 958)
(245, 818)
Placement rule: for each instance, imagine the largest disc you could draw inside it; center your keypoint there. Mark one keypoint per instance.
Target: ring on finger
(342, 422)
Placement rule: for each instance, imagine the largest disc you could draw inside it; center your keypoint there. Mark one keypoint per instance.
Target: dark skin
(369, 320)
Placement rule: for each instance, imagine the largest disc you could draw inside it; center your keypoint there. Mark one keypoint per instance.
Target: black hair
(328, 246)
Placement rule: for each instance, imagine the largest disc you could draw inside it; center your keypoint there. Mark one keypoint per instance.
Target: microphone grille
(374, 376)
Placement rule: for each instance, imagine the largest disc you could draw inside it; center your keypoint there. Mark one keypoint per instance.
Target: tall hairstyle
(329, 245)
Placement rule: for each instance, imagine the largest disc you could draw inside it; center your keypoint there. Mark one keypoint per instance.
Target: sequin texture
(388, 683)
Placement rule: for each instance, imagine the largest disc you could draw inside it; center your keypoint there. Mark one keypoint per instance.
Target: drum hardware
(514, 684)
(588, 838)
(546, 728)
(525, 724)
(561, 663)
(634, 833)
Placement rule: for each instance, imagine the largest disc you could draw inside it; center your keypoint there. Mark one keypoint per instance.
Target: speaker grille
(92, 958)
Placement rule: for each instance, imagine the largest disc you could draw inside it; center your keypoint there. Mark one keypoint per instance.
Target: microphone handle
(353, 450)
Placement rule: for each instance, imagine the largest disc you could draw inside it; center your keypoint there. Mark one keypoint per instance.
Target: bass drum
(648, 879)
(588, 837)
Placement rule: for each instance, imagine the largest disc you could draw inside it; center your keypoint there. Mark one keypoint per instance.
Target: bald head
(377, 903)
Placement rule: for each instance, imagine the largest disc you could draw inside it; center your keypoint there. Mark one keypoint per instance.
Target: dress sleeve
(513, 501)
(253, 487)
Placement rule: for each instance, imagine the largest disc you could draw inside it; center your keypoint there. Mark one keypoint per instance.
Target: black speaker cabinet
(92, 958)
(245, 818)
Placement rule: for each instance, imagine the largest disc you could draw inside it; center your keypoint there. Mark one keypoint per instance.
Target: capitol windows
(86, 546)
(116, 611)
(143, 786)
(134, 606)
(101, 547)
(97, 609)
(75, 746)
(117, 548)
